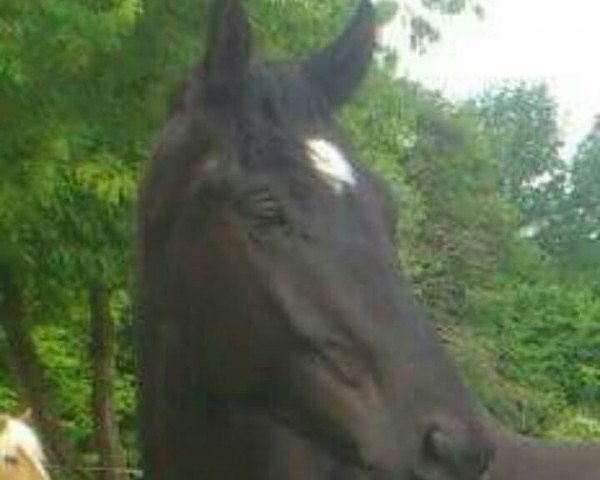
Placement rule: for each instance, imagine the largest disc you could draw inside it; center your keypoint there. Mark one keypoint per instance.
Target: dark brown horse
(278, 339)
(269, 289)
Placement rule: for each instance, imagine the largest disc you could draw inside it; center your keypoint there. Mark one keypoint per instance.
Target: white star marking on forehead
(330, 163)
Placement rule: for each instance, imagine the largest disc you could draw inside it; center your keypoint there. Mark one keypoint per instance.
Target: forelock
(286, 93)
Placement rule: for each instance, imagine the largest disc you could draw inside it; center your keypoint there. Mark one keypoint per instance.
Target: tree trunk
(28, 372)
(102, 356)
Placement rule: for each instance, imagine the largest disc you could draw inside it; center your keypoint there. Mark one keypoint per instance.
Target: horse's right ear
(227, 58)
(338, 70)
(3, 423)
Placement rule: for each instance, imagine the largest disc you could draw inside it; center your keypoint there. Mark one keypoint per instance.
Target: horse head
(21, 454)
(269, 277)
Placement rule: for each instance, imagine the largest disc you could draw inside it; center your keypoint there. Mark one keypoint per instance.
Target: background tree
(521, 122)
(572, 232)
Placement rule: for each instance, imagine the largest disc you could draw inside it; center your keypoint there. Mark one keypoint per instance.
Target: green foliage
(543, 311)
(524, 406)
(84, 86)
(545, 340)
(550, 336)
(572, 232)
(9, 401)
(576, 425)
(466, 234)
(521, 122)
(65, 354)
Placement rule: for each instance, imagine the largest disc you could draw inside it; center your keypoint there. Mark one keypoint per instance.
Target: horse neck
(32, 468)
(524, 458)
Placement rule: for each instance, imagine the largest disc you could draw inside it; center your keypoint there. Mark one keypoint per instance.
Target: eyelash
(265, 209)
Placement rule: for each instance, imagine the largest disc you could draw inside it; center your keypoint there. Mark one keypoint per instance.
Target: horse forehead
(330, 163)
(18, 435)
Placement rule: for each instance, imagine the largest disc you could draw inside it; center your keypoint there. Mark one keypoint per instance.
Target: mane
(18, 439)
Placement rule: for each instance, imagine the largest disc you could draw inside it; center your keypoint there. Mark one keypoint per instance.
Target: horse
(276, 333)
(21, 453)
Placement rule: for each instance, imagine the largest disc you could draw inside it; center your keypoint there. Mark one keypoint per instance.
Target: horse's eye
(11, 460)
(264, 209)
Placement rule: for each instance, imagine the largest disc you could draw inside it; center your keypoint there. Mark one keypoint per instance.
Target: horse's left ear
(227, 58)
(26, 416)
(339, 69)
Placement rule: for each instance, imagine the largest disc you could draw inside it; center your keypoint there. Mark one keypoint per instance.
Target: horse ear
(227, 58)
(3, 423)
(339, 69)
(26, 416)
